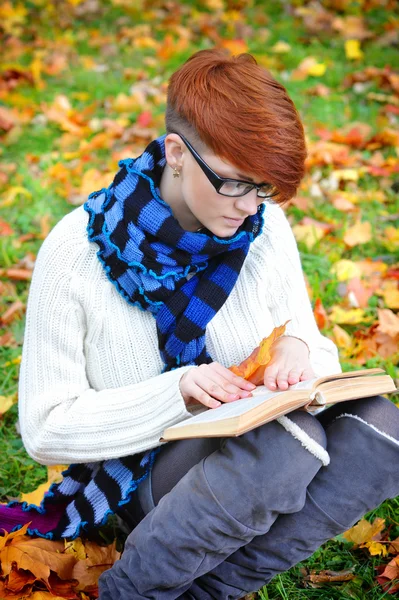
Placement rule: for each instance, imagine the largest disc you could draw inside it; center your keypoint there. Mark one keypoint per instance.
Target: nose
(248, 204)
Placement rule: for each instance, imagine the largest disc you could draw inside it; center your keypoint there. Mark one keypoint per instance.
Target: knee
(376, 411)
(310, 425)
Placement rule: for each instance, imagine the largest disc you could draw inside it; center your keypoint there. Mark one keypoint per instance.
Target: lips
(233, 221)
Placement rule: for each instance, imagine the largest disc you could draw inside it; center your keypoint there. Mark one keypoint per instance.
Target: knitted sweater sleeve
(287, 297)
(62, 419)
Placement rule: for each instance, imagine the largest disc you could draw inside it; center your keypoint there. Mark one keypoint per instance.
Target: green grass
(19, 473)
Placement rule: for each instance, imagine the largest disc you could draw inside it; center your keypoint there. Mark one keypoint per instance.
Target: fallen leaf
(388, 322)
(353, 50)
(12, 312)
(342, 338)
(53, 476)
(320, 314)
(345, 269)
(352, 316)
(308, 234)
(6, 403)
(364, 531)
(360, 233)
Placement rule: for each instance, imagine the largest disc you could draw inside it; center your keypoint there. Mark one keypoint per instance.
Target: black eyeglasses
(230, 187)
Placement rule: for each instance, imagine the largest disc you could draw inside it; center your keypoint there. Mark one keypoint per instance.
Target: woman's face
(222, 215)
(194, 200)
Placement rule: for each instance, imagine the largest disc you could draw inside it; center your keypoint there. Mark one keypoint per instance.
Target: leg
(221, 504)
(362, 440)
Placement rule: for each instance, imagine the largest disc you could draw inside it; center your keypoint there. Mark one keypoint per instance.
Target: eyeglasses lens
(234, 188)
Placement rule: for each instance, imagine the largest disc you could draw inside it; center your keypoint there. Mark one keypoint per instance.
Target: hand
(213, 384)
(289, 363)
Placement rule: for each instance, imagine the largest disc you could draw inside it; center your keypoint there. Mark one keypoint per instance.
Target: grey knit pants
(257, 504)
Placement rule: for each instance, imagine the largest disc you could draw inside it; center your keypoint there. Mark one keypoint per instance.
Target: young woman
(140, 301)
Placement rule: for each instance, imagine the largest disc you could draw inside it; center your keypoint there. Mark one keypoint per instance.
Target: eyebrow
(239, 175)
(245, 177)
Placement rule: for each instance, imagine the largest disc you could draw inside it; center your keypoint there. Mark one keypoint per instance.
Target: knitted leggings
(251, 507)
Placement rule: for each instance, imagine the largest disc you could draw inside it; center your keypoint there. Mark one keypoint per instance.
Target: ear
(174, 150)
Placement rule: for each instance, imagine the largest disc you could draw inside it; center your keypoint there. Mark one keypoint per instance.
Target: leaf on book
(253, 367)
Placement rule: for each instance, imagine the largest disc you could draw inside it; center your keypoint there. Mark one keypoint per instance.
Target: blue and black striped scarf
(183, 279)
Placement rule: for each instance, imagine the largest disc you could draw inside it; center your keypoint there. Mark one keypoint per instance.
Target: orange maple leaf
(253, 367)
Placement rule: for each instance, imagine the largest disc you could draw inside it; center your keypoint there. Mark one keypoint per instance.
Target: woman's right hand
(213, 384)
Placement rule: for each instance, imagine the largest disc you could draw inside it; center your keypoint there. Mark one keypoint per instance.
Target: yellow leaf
(6, 402)
(364, 531)
(391, 238)
(342, 338)
(77, 548)
(352, 316)
(352, 49)
(53, 476)
(375, 548)
(345, 269)
(346, 175)
(93, 179)
(12, 193)
(317, 70)
(281, 47)
(308, 234)
(360, 233)
(390, 293)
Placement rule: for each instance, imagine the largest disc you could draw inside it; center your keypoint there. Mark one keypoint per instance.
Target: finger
(282, 380)
(213, 385)
(294, 376)
(232, 392)
(270, 377)
(235, 380)
(198, 393)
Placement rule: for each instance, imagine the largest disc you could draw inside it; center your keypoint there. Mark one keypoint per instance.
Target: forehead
(224, 168)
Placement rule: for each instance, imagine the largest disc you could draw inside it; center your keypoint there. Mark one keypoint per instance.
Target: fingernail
(216, 404)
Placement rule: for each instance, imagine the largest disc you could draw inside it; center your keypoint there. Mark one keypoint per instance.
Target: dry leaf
(6, 403)
(388, 322)
(360, 233)
(253, 367)
(53, 476)
(352, 316)
(364, 531)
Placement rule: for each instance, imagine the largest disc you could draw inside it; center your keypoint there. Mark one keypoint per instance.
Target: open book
(235, 418)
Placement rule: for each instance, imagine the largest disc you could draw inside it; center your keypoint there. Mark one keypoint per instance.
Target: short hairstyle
(234, 107)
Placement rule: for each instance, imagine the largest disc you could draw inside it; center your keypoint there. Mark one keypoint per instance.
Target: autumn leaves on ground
(82, 86)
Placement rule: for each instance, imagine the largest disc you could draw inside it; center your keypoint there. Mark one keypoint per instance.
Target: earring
(175, 172)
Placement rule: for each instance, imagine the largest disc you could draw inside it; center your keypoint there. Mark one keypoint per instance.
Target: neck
(171, 193)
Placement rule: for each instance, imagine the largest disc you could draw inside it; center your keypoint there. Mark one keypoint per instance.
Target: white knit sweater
(91, 386)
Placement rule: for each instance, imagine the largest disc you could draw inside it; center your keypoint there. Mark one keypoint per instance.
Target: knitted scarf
(183, 279)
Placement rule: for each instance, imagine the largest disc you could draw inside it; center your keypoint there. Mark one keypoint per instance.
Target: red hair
(240, 112)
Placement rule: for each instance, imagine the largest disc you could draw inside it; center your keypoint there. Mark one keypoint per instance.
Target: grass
(41, 139)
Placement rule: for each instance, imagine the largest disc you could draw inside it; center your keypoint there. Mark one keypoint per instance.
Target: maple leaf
(38, 556)
(364, 532)
(253, 367)
(387, 574)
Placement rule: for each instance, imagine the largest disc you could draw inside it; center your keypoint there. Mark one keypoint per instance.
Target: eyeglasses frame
(217, 181)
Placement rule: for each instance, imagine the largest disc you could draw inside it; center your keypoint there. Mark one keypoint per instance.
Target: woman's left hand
(289, 363)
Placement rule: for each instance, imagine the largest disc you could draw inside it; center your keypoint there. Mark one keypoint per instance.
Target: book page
(239, 407)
